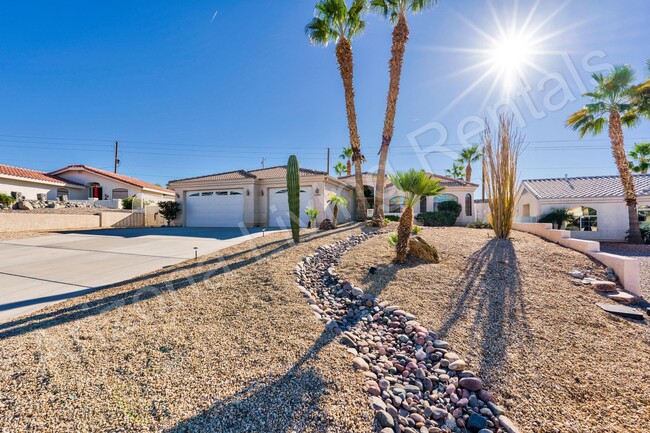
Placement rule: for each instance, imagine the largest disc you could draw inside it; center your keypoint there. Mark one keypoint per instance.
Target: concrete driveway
(35, 272)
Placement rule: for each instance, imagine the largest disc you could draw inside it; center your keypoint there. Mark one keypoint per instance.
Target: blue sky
(187, 94)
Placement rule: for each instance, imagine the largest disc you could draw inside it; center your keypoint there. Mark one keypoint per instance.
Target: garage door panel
(279, 207)
(215, 208)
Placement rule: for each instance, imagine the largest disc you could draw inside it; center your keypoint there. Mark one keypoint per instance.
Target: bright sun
(511, 53)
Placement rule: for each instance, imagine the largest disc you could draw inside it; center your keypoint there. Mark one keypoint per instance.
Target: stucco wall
(29, 190)
(108, 185)
(18, 222)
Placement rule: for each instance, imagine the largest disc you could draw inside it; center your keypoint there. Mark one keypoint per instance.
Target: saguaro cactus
(293, 191)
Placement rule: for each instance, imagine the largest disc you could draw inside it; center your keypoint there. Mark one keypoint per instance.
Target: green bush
(416, 230)
(479, 225)
(645, 231)
(137, 202)
(450, 206)
(169, 210)
(6, 200)
(437, 218)
(392, 239)
(127, 203)
(557, 217)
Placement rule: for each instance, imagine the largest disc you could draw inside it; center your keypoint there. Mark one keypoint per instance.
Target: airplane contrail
(214, 16)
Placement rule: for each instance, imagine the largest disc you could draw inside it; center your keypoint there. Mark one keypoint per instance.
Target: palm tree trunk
(335, 215)
(348, 167)
(346, 67)
(400, 38)
(618, 150)
(468, 173)
(404, 234)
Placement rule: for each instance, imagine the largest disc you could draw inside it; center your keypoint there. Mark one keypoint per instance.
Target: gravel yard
(554, 360)
(640, 252)
(224, 345)
(229, 344)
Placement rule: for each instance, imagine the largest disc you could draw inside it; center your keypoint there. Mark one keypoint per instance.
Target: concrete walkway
(35, 272)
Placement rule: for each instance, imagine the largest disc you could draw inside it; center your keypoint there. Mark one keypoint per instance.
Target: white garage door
(279, 207)
(216, 208)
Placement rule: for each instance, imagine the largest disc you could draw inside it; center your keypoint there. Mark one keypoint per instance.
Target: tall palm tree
(335, 22)
(468, 156)
(611, 106)
(339, 169)
(347, 155)
(415, 184)
(456, 171)
(640, 156)
(395, 11)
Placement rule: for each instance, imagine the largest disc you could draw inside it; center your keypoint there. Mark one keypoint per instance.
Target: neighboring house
(79, 183)
(247, 198)
(108, 186)
(596, 202)
(456, 190)
(31, 183)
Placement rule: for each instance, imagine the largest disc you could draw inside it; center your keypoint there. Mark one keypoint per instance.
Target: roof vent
(566, 177)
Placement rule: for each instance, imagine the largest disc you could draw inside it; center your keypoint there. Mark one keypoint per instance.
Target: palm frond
(421, 5)
(415, 184)
(337, 199)
(470, 154)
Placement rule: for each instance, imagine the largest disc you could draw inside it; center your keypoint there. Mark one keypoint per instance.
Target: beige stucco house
(32, 183)
(256, 198)
(246, 198)
(596, 202)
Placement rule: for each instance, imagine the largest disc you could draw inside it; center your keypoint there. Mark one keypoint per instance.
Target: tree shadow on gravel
(288, 403)
(491, 290)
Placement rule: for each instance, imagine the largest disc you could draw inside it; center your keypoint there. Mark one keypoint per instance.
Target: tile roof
(277, 172)
(444, 180)
(585, 187)
(116, 176)
(24, 173)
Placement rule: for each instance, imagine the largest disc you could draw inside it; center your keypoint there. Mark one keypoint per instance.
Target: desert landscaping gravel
(227, 344)
(230, 344)
(553, 360)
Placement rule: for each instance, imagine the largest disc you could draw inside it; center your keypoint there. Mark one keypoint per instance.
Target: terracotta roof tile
(25, 173)
(229, 175)
(278, 172)
(119, 177)
(585, 187)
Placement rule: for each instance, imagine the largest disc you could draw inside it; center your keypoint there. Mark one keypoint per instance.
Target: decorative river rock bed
(415, 382)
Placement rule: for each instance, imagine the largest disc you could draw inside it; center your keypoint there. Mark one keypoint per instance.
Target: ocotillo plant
(293, 191)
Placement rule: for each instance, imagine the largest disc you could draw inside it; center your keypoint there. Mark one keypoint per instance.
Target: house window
(196, 194)
(644, 213)
(396, 204)
(221, 193)
(585, 219)
(207, 194)
(235, 193)
(120, 193)
(423, 204)
(62, 191)
(442, 198)
(468, 204)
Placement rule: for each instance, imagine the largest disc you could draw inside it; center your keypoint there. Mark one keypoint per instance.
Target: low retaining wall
(21, 222)
(626, 268)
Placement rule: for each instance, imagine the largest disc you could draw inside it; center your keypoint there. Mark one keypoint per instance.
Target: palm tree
(456, 171)
(337, 201)
(347, 155)
(641, 158)
(611, 105)
(415, 184)
(468, 156)
(395, 11)
(339, 169)
(335, 22)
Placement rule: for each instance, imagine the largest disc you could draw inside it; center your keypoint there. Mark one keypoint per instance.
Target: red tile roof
(25, 173)
(116, 176)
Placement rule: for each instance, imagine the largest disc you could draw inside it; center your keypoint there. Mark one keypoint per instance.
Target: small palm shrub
(392, 239)
(6, 200)
(312, 214)
(557, 217)
(416, 230)
(337, 201)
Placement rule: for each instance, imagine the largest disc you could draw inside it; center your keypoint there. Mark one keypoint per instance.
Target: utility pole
(328, 161)
(263, 161)
(117, 161)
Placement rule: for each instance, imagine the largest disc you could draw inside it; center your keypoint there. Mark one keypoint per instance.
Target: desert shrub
(169, 210)
(416, 230)
(392, 239)
(312, 214)
(6, 200)
(127, 203)
(437, 218)
(450, 206)
(479, 225)
(645, 231)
